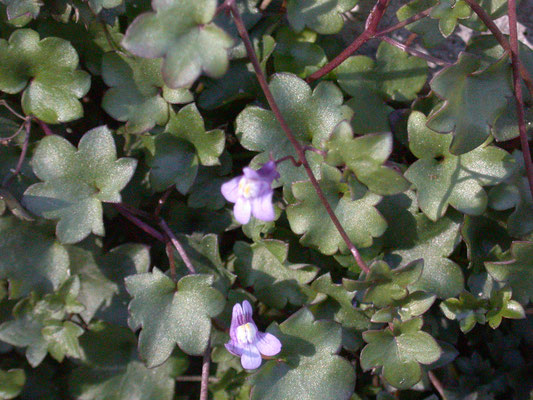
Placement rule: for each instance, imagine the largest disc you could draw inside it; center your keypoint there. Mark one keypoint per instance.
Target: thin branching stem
(300, 150)
(177, 245)
(162, 201)
(415, 52)
(16, 171)
(46, 129)
(511, 4)
(405, 22)
(12, 110)
(13, 136)
(136, 221)
(205, 372)
(500, 37)
(372, 23)
(437, 385)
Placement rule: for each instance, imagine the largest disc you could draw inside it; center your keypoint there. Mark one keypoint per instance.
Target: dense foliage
(396, 262)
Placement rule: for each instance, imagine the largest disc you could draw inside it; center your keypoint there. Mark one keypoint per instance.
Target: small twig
(315, 150)
(500, 37)
(145, 227)
(9, 179)
(46, 129)
(370, 30)
(300, 150)
(438, 386)
(295, 162)
(177, 245)
(136, 211)
(8, 139)
(415, 52)
(162, 201)
(11, 110)
(518, 92)
(205, 372)
(170, 254)
(405, 22)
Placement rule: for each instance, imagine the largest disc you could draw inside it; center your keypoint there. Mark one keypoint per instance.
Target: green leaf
(414, 305)
(311, 115)
(188, 124)
(138, 95)
(385, 286)
(494, 8)
(62, 338)
(426, 28)
(111, 370)
(355, 210)
(501, 306)
(365, 157)
(448, 12)
(171, 313)
(32, 259)
(205, 192)
(322, 16)
(515, 193)
(312, 369)
(102, 276)
(97, 5)
(20, 8)
(443, 179)
(49, 65)
(297, 52)
(466, 309)
(394, 75)
(412, 236)
(77, 182)
(182, 33)
(474, 96)
(11, 383)
(516, 271)
(276, 282)
(400, 351)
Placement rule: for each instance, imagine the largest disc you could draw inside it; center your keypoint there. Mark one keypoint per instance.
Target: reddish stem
(370, 30)
(500, 37)
(177, 245)
(415, 52)
(511, 4)
(7, 182)
(46, 129)
(145, 227)
(404, 23)
(205, 372)
(300, 150)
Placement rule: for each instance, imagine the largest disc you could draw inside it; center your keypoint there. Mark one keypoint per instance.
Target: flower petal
(237, 319)
(250, 359)
(234, 348)
(230, 189)
(242, 210)
(247, 310)
(267, 344)
(262, 207)
(268, 171)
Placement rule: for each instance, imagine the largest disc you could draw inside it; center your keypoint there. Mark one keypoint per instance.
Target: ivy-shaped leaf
(365, 157)
(311, 369)
(426, 28)
(515, 193)
(394, 75)
(474, 96)
(102, 276)
(494, 8)
(11, 383)
(354, 207)
(138, 95)
(400, 351)
(77, 182)
(276, 282)
(467, 309)
(97, 5)
(171, 313)
(21, 8)
(412, 236)
(443, 179)
(311, 114)
(297, 52)
(205, 192)
(448, 12)
(383, 286)
(182, 33)
(414, 305)
(516, 271)
(501, 306)
(322, 16)
(110, 369)
(46, 71)
(32, 259)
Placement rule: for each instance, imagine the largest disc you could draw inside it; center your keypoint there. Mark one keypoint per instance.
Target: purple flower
(246, 341)
(252, 193)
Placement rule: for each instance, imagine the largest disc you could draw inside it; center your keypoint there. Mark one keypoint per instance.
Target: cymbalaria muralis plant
(168, 166)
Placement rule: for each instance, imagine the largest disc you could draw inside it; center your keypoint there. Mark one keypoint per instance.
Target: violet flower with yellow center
(252, 193)
(246, 341)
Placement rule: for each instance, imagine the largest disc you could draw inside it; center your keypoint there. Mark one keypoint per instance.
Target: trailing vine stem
(229, 5)
(205, 372)
(415, 52)
(515, 62)
(371, 26)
